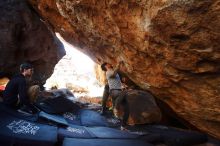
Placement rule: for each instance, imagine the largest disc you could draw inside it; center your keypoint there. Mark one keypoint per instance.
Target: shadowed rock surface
(25, 37)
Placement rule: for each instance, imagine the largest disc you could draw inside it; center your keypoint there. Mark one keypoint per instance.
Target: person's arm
(22, 92)
(115, 71)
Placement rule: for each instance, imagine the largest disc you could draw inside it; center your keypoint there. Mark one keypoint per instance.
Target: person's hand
(121, 62)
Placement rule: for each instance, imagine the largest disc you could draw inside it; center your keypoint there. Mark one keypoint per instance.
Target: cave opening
(76, 72)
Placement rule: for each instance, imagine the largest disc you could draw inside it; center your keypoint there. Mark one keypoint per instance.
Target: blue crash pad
(83, 118)
(72, 118)
(15, 131)
(110, 133)
(113, 122)
(87, 117)
(104, 142)
(74, 131)
(56, 119)
(14, 113)
(92, 118)
(177, 137)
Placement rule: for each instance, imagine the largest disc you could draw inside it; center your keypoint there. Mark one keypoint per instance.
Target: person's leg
(105, 98)
(121, 109)
(114, 94)
(33, 93)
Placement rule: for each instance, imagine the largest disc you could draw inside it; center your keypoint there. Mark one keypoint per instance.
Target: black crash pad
(57, 105)
(110, 133)
(18, 132)
(92, 118)
(103, 142)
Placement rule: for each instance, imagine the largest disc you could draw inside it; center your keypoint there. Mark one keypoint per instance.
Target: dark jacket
(16, 87)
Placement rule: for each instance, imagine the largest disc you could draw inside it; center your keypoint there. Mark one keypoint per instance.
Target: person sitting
(17, 94)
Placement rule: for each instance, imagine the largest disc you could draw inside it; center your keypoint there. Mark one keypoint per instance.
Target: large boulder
(140, 107)
(25, 37)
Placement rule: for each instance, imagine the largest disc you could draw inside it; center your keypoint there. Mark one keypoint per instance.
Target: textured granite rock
(140, 107)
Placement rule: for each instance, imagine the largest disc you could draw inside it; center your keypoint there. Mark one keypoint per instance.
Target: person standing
(114, 86)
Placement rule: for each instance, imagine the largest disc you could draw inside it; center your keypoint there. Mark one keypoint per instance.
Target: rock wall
(25, 37)
(169, 47)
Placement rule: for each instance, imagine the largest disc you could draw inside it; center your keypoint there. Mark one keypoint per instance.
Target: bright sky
(82, 62)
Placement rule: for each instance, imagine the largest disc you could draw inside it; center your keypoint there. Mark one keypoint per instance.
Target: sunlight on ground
(75, 71)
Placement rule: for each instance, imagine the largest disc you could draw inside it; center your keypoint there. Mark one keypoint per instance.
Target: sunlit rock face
(78, 78)
(25, 37)
(169, 47)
